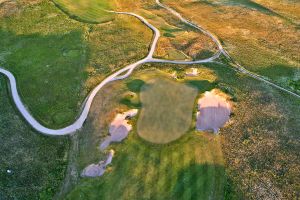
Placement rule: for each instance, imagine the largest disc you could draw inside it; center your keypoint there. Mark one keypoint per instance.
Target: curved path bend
(238, 67)
(121, 74)
(118, 75)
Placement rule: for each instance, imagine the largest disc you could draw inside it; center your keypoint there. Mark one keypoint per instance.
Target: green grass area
(92, 11)
(262, 134)
(37, 162)
(188, 169)
(167, 109)
(46, 50)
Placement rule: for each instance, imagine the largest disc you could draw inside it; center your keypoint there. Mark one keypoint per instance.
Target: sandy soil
(214, 111)
(119, 128)
(95, 170)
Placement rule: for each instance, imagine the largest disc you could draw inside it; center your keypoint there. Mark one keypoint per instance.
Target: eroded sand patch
(213, 111)
(119, 128)
(96, 170)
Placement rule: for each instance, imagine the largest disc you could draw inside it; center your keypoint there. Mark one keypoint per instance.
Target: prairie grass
(37, 163)
(265, 41)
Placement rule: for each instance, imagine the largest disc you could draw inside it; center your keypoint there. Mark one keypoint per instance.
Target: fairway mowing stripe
(210, 180)
(208, 171)
(179, 185)
(142, 172)
(163, 173)
(174, 168)
(195, 171)
(138, 170)
(189, 154)
(212, 176)
(149, 180)
(202, 173)
(117, 174)
(218, 173)
(147, 176)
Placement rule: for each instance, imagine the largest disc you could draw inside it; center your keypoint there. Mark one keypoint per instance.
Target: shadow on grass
(285, 75)
(200, 181)
(107, 18)
(249, 4)
(201, 85)
(278, 71)
(135, 85)
(50, 73)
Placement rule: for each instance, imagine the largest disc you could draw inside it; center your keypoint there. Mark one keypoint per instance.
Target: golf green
(167, 108)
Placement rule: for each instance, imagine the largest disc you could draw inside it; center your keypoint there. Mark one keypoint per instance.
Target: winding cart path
(124, 73)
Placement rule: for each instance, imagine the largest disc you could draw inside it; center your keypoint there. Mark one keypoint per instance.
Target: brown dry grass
(254, 38)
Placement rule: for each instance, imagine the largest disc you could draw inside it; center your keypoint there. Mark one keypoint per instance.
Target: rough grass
(265, 41)
(167, 109)
(38, 163)
(46, 50)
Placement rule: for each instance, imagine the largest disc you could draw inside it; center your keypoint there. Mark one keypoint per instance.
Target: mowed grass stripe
(188, 176)
(178, 188)
(198, 182)
(175, 166)
(164, 174)
(135, 187)
(142, 170)
(91, 11)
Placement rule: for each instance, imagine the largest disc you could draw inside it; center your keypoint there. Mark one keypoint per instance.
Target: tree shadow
(201, 85)
(135, 85)
(250, 4)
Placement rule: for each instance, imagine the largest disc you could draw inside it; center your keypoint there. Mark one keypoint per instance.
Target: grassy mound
(92, 11)
(166, 112)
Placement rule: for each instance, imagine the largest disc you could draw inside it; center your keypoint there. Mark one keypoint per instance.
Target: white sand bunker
(214, 111)
(192, 72)
(119, 128)
(96, 170)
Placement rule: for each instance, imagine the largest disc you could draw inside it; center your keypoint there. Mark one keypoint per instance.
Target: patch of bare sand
(214, 111)
(96, 170)
(119, 128)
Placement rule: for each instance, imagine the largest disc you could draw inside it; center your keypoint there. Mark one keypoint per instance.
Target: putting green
(167, 108)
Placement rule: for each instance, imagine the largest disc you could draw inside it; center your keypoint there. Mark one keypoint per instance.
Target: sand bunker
(214, 111)
(96, 170)
(192, 72)
(119, 128)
